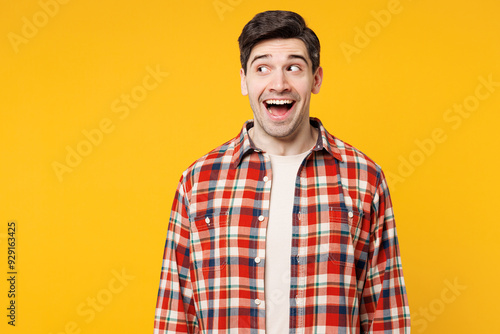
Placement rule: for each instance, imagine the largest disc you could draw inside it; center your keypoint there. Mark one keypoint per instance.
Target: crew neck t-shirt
(279, 241)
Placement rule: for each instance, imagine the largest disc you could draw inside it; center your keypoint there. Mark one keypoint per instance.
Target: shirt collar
(244, 143)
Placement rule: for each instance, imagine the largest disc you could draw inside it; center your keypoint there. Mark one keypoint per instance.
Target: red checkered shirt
(346, 274)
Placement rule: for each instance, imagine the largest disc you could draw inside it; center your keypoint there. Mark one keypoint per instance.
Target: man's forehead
(291, 48)
(285, 47)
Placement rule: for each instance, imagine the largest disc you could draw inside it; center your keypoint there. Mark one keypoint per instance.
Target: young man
(284, 228)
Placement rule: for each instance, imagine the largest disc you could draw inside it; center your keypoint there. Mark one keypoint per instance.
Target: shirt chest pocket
(209, 241)
(339, 226)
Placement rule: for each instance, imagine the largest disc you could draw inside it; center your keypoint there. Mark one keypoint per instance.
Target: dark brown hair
(277, 24)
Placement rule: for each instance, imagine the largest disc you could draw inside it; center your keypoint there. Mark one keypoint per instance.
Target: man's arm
(384, 304)
(175, 312)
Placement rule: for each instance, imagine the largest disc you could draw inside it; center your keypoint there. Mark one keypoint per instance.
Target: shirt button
(350, 214)
(261, 218)
(257, 260)
(266, 179)
(257, 301)
(207, 220)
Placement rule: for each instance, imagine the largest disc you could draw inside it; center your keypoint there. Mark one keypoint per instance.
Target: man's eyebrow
(259, 57)
(299, 57)
(293, 56)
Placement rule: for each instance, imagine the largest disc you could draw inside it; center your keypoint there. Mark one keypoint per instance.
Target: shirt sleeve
(384, 304)
(175, 312)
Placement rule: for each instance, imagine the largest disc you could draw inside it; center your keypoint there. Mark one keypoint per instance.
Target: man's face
(279, 82)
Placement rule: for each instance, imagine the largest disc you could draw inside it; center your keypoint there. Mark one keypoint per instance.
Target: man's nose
(279, 82)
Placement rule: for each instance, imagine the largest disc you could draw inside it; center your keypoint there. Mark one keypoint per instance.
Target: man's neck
(299, 143)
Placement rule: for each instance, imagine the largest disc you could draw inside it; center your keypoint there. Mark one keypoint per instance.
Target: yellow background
(109, 214)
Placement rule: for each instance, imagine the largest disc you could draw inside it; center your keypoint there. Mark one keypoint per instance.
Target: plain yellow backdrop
(104, 104)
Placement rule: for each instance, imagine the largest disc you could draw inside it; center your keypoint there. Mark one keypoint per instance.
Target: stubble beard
(280, 130)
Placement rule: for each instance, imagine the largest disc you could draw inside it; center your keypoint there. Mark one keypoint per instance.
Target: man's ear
(318, 79)
(243, 77)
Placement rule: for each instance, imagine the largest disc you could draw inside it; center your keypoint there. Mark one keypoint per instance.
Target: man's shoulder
(351, 153)
(353, 157)
(217, 158)
(346, 153)
(361, 173)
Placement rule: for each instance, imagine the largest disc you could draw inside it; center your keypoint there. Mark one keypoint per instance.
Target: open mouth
(278, 107)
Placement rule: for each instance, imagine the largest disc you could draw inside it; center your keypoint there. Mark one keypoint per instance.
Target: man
(284, 228)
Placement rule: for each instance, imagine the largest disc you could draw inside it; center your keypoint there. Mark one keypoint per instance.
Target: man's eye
(294, 68)
(262, 69)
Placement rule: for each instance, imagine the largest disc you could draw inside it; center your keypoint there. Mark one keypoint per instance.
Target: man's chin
(280, 131)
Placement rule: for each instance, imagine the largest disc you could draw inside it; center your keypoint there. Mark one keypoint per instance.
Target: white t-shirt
(279, 242)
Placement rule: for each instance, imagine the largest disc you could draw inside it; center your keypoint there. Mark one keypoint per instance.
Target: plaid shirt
(346, 274)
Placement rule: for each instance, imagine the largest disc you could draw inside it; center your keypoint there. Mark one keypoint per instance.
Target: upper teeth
(279, 101)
